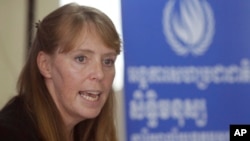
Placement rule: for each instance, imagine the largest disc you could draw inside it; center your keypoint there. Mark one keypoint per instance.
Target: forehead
(91, 42)
(90, 30)
(90, 38)
(75, 39)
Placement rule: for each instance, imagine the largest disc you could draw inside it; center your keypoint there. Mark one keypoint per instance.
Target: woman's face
(81, 79)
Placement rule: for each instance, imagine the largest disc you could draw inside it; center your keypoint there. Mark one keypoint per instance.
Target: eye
(109, 62)
(81, 59)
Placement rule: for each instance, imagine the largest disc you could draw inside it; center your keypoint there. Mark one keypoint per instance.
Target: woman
(65, 89)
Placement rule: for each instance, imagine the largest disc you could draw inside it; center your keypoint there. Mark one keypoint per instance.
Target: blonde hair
(60, 30)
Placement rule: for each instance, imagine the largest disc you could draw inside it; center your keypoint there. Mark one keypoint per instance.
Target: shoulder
(15, 124)
(9, 132)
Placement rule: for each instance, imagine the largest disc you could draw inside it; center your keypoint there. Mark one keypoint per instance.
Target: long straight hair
(61, 30)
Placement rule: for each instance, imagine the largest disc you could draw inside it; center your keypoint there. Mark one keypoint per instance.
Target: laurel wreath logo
(188, 26)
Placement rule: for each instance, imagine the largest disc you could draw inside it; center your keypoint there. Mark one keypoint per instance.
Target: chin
(91, 115)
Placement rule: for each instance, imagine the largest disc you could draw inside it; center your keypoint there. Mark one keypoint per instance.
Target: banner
(187, 68)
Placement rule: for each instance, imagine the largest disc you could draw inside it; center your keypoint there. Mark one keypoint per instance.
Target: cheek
(73, 78)
(67, 85)
(65, 76)
(109, 78)
(71, 72)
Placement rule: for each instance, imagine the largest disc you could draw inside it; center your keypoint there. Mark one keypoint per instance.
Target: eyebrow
(113, 53)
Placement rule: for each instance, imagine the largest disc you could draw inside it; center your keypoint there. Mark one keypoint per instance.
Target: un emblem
(188, 26)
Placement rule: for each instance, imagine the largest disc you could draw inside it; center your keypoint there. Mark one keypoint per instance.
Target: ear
(44, 64)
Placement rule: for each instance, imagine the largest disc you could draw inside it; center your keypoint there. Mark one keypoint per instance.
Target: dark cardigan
(16, 124)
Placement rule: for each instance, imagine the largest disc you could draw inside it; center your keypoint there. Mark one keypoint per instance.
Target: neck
(69, 134)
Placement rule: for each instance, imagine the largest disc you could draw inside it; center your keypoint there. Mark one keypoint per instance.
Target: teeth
(90, 96)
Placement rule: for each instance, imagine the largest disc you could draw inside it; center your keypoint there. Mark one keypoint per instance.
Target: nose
(96, 71)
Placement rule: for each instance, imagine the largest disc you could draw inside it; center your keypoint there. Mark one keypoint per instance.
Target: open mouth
(90, 95)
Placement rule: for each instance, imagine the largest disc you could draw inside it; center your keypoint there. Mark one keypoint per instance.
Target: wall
(13, 41)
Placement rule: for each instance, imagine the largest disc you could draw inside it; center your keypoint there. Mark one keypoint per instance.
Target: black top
(16, 124)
